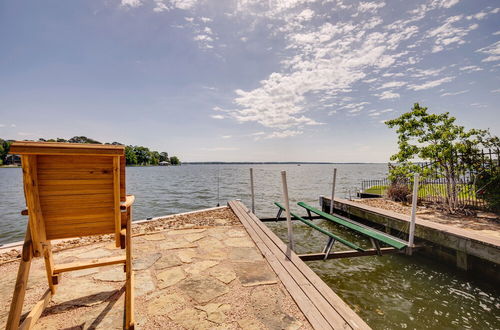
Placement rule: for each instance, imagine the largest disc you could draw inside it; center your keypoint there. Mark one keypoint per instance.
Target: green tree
(438, 139)
(155, 157)
(163, 156)
(143, 155)
(130, 156)
(174, 160)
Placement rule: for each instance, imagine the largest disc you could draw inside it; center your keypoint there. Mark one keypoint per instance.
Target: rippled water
(389, 292)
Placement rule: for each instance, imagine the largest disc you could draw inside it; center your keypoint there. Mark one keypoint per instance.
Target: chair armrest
(128, 202)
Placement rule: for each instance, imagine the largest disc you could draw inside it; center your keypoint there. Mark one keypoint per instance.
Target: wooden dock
(321, 306)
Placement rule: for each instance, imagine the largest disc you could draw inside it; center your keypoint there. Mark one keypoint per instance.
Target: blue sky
(245, 80)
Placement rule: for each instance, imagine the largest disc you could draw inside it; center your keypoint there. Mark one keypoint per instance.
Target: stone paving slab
(198, 278)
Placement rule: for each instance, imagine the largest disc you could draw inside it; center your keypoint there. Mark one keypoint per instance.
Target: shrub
(399, 192)
(489, 189)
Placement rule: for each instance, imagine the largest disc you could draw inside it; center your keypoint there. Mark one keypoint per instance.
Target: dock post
(414, 201)
(252, 190)
(288, 216)
(333, 189)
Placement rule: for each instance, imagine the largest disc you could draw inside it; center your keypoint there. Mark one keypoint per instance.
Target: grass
(426, 190)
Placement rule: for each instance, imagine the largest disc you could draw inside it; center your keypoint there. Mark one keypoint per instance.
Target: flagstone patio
(211, 277)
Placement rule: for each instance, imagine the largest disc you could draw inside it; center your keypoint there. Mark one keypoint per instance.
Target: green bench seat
(310, 224)
(360, 229)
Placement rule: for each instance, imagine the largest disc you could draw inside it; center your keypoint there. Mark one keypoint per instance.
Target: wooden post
(252, 190)
(288, 216)
(333, 189)
(413, 214)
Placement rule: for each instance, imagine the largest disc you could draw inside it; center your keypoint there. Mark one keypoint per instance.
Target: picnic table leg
(16, 305)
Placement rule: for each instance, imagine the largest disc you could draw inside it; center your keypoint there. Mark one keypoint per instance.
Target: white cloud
(388, 95)
(283, 134)
(374, 114)
(430, 84)
(226, 136)
(392, 84)
(454, 93)
(12, 125)
(448, 33)
(387, 110)
(2, 125)
(471, 68)
(496, 91)
(493, 50)
(370, 6)
(131, 3)
(217, 116)
(448, 3)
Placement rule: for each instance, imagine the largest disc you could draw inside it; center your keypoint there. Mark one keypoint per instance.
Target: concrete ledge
(467, 249)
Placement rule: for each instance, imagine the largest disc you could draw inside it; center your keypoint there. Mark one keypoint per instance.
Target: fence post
(414, 201)
(333, 189)
(252, 190)
(288, 216)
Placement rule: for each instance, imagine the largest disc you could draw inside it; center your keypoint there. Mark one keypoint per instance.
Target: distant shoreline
(274, 163)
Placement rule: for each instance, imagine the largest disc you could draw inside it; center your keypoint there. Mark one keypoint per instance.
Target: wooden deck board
(311, 294)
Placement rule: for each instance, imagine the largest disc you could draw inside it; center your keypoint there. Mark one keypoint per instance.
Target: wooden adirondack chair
(71, 190)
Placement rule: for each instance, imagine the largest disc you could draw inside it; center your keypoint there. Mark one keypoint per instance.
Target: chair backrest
(72, 190)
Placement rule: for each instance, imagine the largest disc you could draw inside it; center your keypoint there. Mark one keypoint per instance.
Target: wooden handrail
(130, 199)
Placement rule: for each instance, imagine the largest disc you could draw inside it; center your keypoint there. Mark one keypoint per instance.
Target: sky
(245, 80)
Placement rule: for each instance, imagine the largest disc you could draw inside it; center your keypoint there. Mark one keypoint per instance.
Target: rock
(236, 233)
(177, 244)
(164, 303)
(198, 267)
(224, 274)
(187, 255)
(192, 318)
(170, 277)
(214, 254)
(143, 283)
(146, 261)
(83, 272)
(250, 324)
(194, 237)
(239, 242)
(111, 275)
(93, 319)
(203, 289)
(244, 254)
(215, 311)
(94, 254)
(255, 273)
(167, 261)
(82, 292)
(267, 308)
(155, 237)
(185, 231)
(209, 243)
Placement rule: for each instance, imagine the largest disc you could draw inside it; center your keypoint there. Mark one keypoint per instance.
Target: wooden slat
(84, 265)
(55, 148)
(307, 306)
(30, 181)
(116, 197)
(49, 267)
(335, 301)
(59, 182)
(123, 194)
(75, 161)
(37, 310)
(129, 301)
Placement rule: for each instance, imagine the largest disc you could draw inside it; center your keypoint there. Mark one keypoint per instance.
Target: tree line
(134, 155)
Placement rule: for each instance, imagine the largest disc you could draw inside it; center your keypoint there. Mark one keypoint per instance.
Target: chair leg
(16, 305)
(129, 292)
(49, 268)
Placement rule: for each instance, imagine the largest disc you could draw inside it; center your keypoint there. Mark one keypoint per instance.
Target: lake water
(389, 292)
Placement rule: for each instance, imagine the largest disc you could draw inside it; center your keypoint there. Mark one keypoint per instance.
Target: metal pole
(218, 185)
(288, 216)
(333, 189)
(252, 191)
(413, 213)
